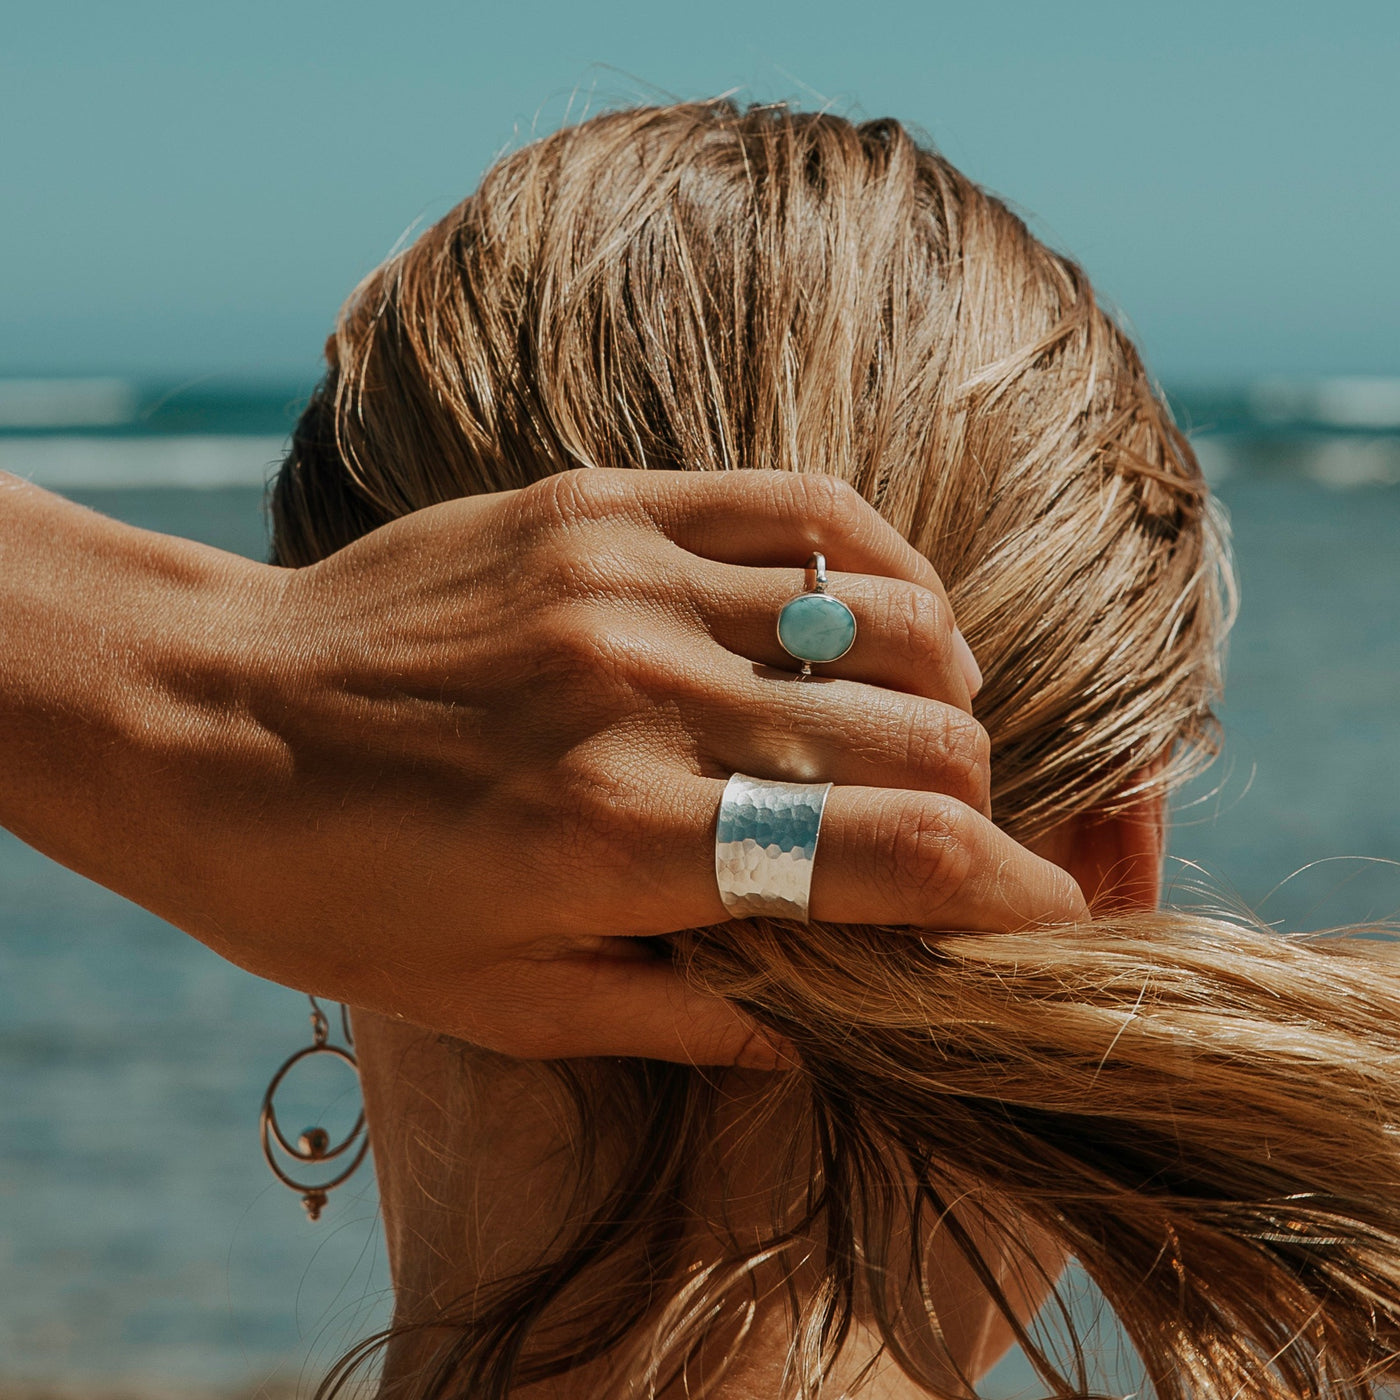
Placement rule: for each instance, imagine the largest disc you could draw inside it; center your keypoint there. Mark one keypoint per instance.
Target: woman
(1198, 1111)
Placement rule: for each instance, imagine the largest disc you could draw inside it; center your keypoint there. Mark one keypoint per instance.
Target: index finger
(756, 519)
(770, 518)
(605, 1006)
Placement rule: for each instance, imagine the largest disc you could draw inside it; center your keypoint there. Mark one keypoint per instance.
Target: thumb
(621, 1006)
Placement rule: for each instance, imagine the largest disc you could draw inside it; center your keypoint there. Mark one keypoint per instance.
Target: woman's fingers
(928, 860)
(764, 518)
(854, 735)
(884, 856)
(567, 1007)
(906, 638)
(768, 524)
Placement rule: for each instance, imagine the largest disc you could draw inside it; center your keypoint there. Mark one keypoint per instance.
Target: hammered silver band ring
(765, 845)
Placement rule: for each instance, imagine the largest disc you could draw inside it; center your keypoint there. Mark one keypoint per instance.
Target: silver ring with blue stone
(765, 843)
(815, 626)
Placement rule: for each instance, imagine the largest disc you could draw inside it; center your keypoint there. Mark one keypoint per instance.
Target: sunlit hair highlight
(1200, 1111)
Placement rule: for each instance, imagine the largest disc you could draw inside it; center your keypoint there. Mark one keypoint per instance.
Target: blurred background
(187, 193)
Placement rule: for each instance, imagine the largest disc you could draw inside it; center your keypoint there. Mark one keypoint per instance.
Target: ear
(1116, 860)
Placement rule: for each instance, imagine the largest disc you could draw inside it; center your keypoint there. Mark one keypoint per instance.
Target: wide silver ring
(765, 844)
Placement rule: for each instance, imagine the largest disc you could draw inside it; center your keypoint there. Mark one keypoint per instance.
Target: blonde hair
(1199, 1110)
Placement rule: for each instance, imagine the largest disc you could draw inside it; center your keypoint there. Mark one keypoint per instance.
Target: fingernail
(967, 661)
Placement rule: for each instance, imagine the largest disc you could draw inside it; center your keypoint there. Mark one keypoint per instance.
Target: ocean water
(144, 1248)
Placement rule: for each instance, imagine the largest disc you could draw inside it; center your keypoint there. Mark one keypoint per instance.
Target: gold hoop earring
(314, 1144)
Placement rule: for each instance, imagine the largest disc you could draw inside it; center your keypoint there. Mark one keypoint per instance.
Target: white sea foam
(66, 403)
(1215, 458)
(1370, 401)
(1339, 461)
(76, 463)
(1343, 463)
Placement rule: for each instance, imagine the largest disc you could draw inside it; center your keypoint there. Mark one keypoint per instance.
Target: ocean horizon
(99, 433)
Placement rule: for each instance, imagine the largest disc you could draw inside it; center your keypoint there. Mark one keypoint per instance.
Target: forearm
(115, 673)
(443, 772)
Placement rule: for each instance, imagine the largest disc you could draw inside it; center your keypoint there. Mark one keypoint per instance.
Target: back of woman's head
(1197, 1110)
(697, 289)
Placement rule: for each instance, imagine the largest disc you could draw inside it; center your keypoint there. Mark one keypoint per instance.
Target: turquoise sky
(192, 188)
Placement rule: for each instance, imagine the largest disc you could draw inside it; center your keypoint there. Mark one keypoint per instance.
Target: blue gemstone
(816, 627)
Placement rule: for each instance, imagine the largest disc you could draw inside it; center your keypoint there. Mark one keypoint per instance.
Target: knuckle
(573, 644)
(640, 658)
(924, 738)
(917, 621)
(947, 751)
(610, 822)
(934, 857)
(969, 750)
(567, 571)
(567, 499)
(681, 683)
(597, 656)
(832, 504)
(546, 502)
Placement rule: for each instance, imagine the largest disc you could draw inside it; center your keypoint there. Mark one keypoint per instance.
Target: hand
(454, 771)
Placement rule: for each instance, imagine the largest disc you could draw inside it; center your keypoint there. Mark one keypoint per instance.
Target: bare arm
(451, 773)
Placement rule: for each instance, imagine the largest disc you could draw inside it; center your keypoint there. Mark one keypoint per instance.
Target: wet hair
(1201, 1111)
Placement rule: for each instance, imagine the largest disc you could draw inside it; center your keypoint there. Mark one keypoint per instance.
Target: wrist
(125, 658)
